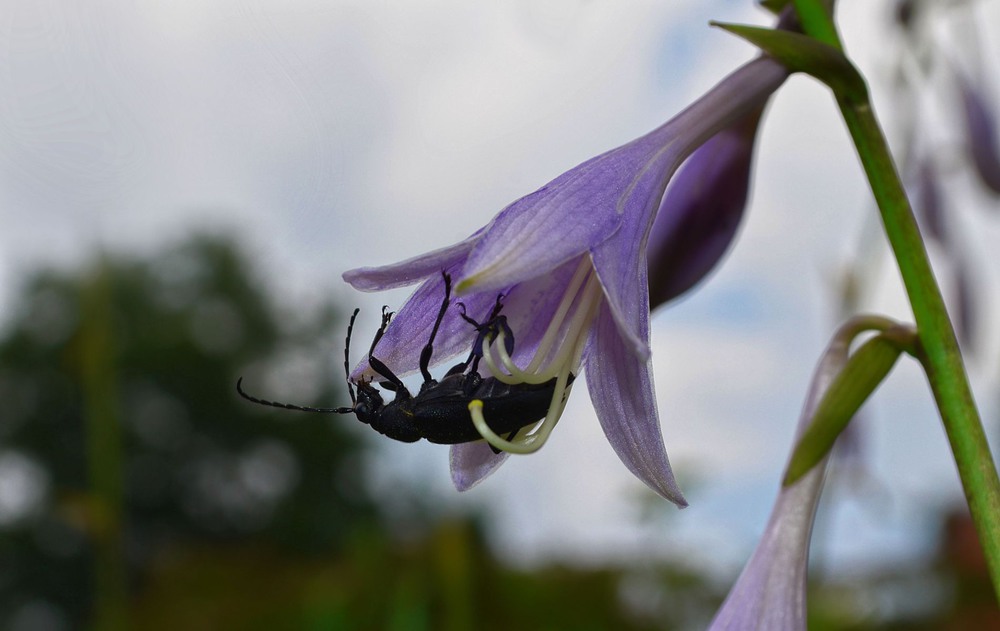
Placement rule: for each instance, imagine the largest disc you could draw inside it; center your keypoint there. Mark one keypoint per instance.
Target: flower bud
(701, 211)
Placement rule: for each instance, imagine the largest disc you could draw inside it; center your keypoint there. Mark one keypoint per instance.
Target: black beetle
(440, 411)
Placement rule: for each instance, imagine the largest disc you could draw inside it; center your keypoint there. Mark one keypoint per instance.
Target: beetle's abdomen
(446, 420)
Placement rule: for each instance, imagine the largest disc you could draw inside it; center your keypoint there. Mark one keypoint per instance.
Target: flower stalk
(940, 354)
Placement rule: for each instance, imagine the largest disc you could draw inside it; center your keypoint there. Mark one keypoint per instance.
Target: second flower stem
(940, 354)
(941, 357)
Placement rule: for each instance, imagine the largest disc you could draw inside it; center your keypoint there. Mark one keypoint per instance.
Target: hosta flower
(770, 593)
(570, 263)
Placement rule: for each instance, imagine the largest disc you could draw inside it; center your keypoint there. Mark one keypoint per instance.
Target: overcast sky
(334, 134)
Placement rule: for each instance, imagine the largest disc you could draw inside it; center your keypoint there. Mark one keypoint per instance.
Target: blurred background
(181, 187)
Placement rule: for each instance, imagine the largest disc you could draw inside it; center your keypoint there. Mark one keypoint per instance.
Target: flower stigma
(558, 357)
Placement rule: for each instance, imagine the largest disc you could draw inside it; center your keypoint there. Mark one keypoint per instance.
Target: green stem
(815, 18)
(941, 357)
(104, 453)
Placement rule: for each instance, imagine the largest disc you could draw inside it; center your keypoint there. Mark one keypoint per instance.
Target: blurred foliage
(137, 491)
(445, 580)
(155, 346)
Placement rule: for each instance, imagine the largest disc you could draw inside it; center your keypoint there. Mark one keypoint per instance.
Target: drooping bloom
(770, 593)
(570, 263)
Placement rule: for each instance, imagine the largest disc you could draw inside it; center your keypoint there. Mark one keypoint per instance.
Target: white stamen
(566, 361)
(581, 273)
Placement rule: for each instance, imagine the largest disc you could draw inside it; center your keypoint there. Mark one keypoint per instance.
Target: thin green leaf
(864, 371)
(801, 53)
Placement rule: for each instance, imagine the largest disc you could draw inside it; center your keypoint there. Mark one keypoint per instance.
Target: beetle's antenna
(347, 356)
(289, 406)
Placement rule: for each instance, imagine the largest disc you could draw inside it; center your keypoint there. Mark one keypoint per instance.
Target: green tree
(121, 435)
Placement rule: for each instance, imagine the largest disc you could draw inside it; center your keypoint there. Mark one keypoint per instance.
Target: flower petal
(471, 463)
(621, 389)
(412, 270)
(578, 210)
(623, 276)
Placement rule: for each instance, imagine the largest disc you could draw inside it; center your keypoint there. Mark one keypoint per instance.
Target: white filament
(563, 363)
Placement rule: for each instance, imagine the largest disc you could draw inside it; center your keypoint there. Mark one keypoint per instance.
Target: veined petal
(621, 389)
(770, 593)
(576, 211)
(410, 328)
(623, 275)
(471, 463)
(411, 270)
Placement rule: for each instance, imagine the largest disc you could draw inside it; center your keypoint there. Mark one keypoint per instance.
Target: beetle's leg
(472, 382)
(425, 354)
(386, 316)
(377, 365)
(460, 367)
(485, 332)
(347, 356)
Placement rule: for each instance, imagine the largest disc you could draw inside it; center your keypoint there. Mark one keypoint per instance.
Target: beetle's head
(369, 402)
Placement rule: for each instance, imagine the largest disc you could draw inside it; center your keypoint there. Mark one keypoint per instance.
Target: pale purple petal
(412, 270)
(576, 211)
(770, 593)
(701, 211)
(621, 269)
(621, 389)
(471, 463)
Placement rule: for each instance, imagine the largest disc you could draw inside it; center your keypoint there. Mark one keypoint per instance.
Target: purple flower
(770, 593)
(570, 262)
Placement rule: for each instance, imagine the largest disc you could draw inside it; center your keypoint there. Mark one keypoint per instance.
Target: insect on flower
(571, 262)
(454, 409)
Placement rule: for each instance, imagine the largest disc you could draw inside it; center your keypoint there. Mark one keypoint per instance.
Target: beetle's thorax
(369, 403)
